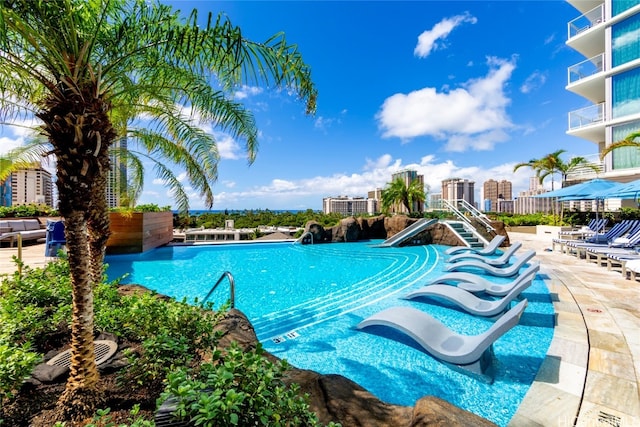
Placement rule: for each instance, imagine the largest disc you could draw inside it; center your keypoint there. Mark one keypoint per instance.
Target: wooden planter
(139, 231)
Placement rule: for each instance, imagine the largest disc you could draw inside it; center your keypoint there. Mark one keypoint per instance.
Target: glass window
(619, 6)
(626, 93)
(625, 40)
(625, 157)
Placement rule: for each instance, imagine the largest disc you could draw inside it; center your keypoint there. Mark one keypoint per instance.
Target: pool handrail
(232, 287)
(300, 240)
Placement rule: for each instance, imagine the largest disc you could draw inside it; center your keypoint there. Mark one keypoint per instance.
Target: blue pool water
(304, 302)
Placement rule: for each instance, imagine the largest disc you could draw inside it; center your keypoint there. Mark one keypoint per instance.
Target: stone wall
(382, 227)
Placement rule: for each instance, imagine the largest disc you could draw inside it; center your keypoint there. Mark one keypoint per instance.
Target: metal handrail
(477, 214)
(232, 285)
(306, 233)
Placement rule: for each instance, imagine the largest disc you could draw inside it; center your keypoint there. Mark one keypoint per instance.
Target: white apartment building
(349, 205)
(32, 185)
(117, 176)
(458, 189)
(527, 203)
(606, 34)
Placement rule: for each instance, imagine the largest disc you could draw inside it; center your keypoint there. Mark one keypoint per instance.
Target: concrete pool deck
(591, 374)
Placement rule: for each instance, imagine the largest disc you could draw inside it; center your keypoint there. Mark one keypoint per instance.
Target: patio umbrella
(583, 191)
(580, 191)
(629, 190)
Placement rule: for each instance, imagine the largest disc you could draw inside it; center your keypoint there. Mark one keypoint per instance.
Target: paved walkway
(591, 374)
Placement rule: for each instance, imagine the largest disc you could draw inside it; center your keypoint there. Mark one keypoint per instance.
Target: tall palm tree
(545, 166)
(398, 192)
(86, 69)
(552, 163)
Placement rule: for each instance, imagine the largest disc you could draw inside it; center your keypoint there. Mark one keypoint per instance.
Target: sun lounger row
(620, 251)
(623, 234)
(470, 352)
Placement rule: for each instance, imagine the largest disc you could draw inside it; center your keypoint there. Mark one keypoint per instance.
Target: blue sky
(449, 88)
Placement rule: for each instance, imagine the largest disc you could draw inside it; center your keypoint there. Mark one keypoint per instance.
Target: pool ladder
(232, 288)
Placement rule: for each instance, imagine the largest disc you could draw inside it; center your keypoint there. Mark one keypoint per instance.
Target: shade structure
(581, 191)
(629, 190)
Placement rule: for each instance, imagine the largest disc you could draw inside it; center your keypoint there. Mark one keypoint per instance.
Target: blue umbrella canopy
(629, 190)
(581, 191)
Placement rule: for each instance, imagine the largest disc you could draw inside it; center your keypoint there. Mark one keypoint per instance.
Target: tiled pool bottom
(312, 324)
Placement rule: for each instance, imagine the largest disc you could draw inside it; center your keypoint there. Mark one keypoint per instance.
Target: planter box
(139, 231)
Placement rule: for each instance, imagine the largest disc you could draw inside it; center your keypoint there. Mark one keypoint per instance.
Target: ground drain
(104, 350)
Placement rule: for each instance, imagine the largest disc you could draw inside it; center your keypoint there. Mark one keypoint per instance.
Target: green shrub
(16, 364)
(22, 211)
(238, 388)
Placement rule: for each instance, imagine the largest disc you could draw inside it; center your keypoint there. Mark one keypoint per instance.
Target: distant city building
(493, 191)
(526, 203)
(408, 176)
(117, 177)
(32, 185)
(348, 205)
(458, 189)
(435, 201)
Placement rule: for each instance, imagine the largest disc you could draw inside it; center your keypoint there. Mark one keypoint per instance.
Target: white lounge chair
(475, 283)
(497, 262)
(468, 301)
(472, 352)
(490, 249)
(507, 271)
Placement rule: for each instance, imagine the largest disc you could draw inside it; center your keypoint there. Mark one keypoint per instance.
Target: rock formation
(338, 399)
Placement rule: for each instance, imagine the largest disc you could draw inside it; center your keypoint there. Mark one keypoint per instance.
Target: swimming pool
(305, 300)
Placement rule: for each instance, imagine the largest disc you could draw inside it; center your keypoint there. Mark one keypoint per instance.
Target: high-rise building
(527, 203)
(349, 205)
(31, 185)
(493, 191)
(408, 176)
(117, 177)
(458, 189)
(606, 34)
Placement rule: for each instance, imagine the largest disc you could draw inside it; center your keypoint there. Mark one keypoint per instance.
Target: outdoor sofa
(28, 229)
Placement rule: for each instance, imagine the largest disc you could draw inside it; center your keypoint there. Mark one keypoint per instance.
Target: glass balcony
(585, 21)
(586, 68)
(591, 115)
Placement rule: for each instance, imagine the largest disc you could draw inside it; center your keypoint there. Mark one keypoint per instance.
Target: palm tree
(552, 164)
(631, 140)
(397, 192)
(86, 69)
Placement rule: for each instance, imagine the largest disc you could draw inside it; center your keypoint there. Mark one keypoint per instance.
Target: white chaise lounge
(472, 352)
(500, 261)
(508, 271)
(468, 301)
(475, 283)
(490, 249)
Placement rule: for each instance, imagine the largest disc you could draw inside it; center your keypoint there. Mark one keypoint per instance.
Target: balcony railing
(583, 22)
(582, 173)
(586, 68)
(587, 116)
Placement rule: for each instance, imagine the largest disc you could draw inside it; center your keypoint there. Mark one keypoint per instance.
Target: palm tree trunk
(98, 222)
(81, 396)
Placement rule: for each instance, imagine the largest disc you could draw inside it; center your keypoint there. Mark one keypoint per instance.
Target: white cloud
(535, 81)
(626, 39)
(247, 91)
(8, 144)
(228, 148)
(434, 39)
(476, 111)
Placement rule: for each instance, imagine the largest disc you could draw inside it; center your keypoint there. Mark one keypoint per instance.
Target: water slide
(407, 233)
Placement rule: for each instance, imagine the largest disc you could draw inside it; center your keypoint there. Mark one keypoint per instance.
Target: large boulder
(372, 228)
(395, 224)
(338, 399)
(348, 230)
